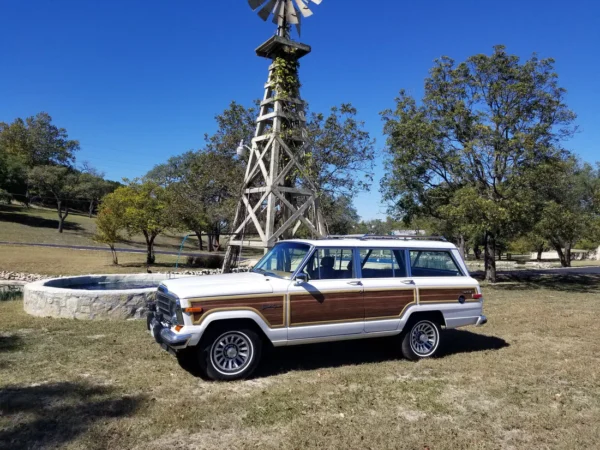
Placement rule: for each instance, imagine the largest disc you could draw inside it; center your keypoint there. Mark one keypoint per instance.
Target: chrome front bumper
(481, 321)
(165, 337)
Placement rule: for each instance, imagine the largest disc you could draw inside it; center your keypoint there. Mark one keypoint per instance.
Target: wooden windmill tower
(272, 206)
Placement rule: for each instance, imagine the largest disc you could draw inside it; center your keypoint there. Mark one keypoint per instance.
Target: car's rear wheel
(230, 354)
(421, 340)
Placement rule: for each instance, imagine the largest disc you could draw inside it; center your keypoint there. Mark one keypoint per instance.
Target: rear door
(388, 291)
(331, 302)
(441, 278)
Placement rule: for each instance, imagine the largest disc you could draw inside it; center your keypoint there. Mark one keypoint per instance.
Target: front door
(331, 302)
(388, 292)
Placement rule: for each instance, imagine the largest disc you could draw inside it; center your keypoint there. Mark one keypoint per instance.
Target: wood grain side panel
(387, 303)
(271, 308)
(325, 307)
(445, 295)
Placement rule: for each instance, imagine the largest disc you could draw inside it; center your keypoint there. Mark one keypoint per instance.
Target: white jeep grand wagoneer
(307, 291)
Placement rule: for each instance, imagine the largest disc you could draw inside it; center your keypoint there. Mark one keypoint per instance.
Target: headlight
(177, 314)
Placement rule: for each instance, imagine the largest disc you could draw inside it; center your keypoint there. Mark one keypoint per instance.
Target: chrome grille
(165, 306)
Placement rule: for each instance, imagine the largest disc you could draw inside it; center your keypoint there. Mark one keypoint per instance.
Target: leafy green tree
(110, 223)
(32, 142)
(92, 187)
(340, 215)
(470, 152)
(203, 188)
(56, 182)
(144, 210)
(570, 208)
(340, 152)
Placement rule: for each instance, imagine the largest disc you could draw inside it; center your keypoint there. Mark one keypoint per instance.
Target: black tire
(189, 360)
(421, 339)
(213, 359)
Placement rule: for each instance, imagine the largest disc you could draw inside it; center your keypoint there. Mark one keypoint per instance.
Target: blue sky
(139, 81)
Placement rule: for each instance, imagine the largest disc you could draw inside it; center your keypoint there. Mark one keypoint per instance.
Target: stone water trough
(92, 297)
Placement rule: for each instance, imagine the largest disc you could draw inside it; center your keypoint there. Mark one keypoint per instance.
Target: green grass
(528, 379)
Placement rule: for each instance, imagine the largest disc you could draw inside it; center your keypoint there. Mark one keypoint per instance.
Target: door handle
(354, 283)
(407, 282)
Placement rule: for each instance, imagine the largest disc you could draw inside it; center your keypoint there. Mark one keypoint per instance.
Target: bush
(5, 197)
(205, 262)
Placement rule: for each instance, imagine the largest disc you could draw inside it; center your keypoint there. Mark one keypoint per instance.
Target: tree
(56, 182)
(143, 208)
(203, 188)
(109, 224)
(469, 154)
(340, 153)
(339, 214)
(32, 142)
(570, 208)
(93, 186)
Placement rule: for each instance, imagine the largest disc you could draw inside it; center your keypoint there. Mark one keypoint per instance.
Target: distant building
(408, 233)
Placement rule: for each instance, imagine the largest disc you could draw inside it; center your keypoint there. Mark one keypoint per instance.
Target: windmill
(272, 206)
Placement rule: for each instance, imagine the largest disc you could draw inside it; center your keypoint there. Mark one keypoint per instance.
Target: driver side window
(330, 264)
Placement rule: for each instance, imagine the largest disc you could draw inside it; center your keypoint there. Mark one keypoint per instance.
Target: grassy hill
(39, 225)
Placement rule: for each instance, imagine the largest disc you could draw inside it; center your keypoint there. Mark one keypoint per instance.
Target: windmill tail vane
(285, 12)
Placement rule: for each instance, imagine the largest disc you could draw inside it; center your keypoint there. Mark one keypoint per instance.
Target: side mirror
(300, 279)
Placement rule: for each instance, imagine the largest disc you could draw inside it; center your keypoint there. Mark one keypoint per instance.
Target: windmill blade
(299, 25)
(290, 13)
(279, 13)
(266, 11)
(306, 12)
(254, 4)
(318, 2)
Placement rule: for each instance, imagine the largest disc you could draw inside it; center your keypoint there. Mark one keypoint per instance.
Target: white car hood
(223, 285)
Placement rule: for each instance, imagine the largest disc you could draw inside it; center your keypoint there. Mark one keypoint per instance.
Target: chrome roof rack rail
(365, 237)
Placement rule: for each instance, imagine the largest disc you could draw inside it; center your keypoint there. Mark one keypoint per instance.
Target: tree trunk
(564, 256)
(61, 215)
(477, 251)
(115, 258)
(462, 247)
(490, 258)
(210, 242)
(150, 256)
(540, 250)
(217, 235)
(199, 236)
(91, 210)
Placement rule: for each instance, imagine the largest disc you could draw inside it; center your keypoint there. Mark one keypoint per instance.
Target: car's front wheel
(421, 340)
(230, 354)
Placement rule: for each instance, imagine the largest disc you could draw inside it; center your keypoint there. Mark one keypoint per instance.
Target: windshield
(282, 260)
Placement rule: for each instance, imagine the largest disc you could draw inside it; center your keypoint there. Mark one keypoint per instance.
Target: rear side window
(382, 263)
(426, 263)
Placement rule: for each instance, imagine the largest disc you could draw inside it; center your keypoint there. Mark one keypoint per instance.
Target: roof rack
(366, 237)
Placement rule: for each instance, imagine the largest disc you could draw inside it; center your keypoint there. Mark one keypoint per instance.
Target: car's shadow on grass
(347, 353)
(51, 415)
(13, 215)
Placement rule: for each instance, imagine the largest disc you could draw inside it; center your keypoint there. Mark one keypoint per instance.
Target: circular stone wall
(58, 298)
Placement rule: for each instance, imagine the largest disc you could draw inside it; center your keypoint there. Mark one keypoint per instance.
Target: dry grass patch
(530, 378)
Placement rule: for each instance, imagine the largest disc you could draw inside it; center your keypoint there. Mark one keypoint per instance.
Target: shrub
(5, 197)
(205, 262)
